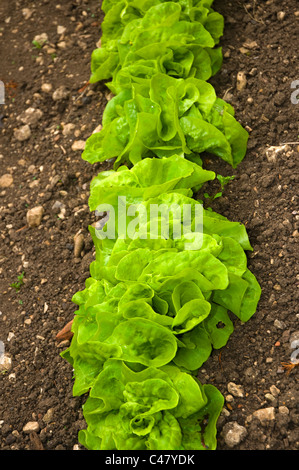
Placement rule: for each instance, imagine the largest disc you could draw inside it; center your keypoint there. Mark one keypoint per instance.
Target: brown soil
(45, 169)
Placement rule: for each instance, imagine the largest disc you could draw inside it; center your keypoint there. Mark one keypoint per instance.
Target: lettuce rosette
(140, 38)
(148, 178)
(151, 409)
(167, 116)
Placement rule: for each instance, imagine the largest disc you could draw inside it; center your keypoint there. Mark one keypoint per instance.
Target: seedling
(37, 44)
(17, 285)
(224, 180)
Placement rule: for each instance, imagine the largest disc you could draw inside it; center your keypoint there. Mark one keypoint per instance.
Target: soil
(46, 171)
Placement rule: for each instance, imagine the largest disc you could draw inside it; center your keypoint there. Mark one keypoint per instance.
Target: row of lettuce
(153, 309)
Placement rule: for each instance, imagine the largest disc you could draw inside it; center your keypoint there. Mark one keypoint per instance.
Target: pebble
(281, 15)
(27, 13)
(274, 391)
(241, 81)
(6, 181)
(253, 71)
(62, 45)
(10, 336)
(54, 180)
(244, 50)
(294, 338)
(61, 93)
(23, 133)
(31, 116)
(233, 433)
(265, 414)
(279, 324)
(229, 398)
(31, 169)
(78, 145)
(48, 417)
(273, 152)
(63, 344)
(235, 390)
(31, 426)
(50, 50)
(78, 244)
(41, 38)
(68, 128)
(98, 129)
(283, 410)
(47, 87)
(57, 206)
(5, 363)
(279, 98)
(250, 44)
(270, 397)
(34, 216)
(10, 439)
(61, 30)
(33, 184)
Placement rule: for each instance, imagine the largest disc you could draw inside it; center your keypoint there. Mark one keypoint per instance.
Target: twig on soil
(22, 228)
(81, 90)
(253, 17)
(290, 143)
(289, 366)
(63, 149)
(227, 92)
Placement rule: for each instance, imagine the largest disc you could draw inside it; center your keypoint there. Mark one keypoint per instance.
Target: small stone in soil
(241, 81)
(233, 433)
(6, 181)
(78, 245)
(31, 426)
(23, 133)
(34, 216)
(235, 390)
(265, 414)
(78, 145)
(31, 116)
(46, 87)
(60, 93)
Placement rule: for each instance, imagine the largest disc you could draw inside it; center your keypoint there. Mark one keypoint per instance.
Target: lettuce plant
(143, 38)
(158, 302)
(167, 116)
(150, 409)
(152, 305)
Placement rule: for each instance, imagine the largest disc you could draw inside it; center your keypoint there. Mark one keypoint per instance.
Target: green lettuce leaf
(150, 409)
(164, 117)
